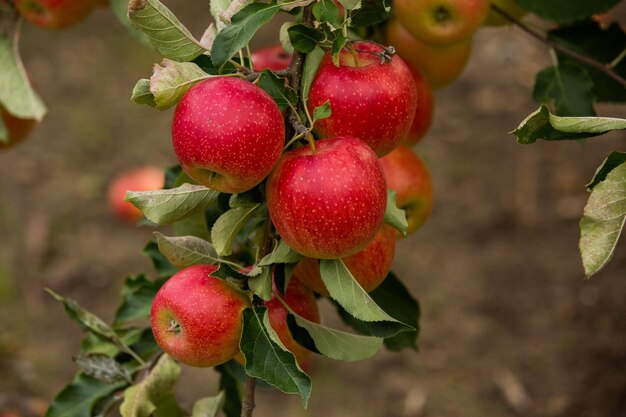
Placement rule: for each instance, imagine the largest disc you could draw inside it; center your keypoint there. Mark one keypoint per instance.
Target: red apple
(369, 267)
(424, 110)
(301, 300)
(328, 202)
(510, 7)
(441, 65)
(441, 22)
(54, 14)
(16, 128)
(369, 99)
(407, 175)
(273, 58)
(197, 319)
(227, 134)
(140, 179)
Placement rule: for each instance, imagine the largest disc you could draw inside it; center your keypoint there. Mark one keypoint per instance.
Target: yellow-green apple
(227, 134)
(302, 301)
(409, 177)
(139, 179)
(369, 267)
(441, 22)
(197, 319)
(328, 202)
(16, 128)
(54, 14)
(273, 58)
(441, 65)
(424, 111)
(510, 7)
(371, 98)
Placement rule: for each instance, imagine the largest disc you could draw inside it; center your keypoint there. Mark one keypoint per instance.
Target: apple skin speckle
(328, 204)
(227, 134)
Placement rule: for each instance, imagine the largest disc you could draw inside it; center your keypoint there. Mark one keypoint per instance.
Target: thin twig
(605, 68)
(247, 405)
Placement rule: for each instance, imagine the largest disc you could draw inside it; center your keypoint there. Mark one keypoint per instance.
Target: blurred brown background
(509, 325)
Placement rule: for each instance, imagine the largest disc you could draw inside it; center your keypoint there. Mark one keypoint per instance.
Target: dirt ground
(509, 326)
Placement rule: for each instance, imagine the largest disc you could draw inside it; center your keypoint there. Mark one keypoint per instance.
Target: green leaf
(228, 225)
(102, 367)
(305, 38)
(142, 94)
(208, 406)
(283, 36)
(282, 254)
(289, 5)
(137, 296)
(350, 4)
(327, 11)
(171, 80)
(266, 360)
(569, 86)
(283, 95)
(184, 251)
(338, 43)
(238, 34)
(311, 64)
(395, 216)
(614, 160)
(160, 263)
(322, 112)
(141, 400)
(4, 133)
(168, 206)
(230, 387)
(371, 12)
(16, 93)
(541, 124)
(261, 284)
(165, 32)
(603, 221)
(566, 11)
(79, 398)
(344, 289)
(218, 7)
(120, 11)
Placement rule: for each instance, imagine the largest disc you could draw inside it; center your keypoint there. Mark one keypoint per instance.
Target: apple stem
(355, 55)
(311, 139)
(247, 404)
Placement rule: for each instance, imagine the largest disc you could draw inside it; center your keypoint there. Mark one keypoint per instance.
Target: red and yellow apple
(54, 14)
(441, 22)
(16, 128)
(369, 99)
(510, 7)
(441, 65)
(424, 111)
(328, 202)
(146, 178)
(197, 319)
(273, 58)
(369, 267)
(302, 301)
(409, 177)
(227, 134)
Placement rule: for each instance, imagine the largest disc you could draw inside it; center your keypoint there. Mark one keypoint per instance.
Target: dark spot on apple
(442, 14)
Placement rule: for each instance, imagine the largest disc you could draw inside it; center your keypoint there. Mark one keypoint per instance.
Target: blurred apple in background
(140, 179)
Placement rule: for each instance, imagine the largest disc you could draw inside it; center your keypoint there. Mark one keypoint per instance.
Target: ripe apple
(369, 100)
(227, 134)
(54, 14)
(441, 22)
(441, 65)
(301, 300)
(139, 179)
(510, 7)
(424, 111)
(408, 176)
(369, 266)
(197, 319)
(273, 58)
(328, 202)
(16, 128)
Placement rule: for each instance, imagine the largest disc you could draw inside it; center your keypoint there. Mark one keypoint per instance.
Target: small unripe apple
(370, 98)
(424, 111)
(369, 267)
(328, 202)
(441, 65)
(409, 177)
(16, 128)
(139, 179)
(227, 134)
(273, 58)
(54, 14)
(197, 319)
(441, 22)
(510, 7)
(301, 300)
